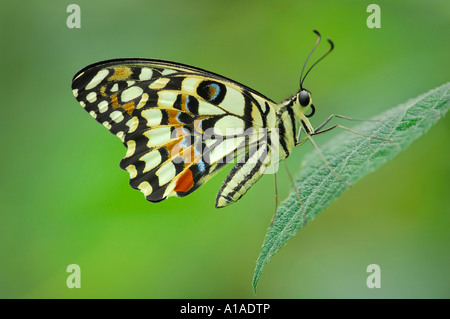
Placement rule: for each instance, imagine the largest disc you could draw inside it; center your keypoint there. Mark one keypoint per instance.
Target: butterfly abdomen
(244, 174)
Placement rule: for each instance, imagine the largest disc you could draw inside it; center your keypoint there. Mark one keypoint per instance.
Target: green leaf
(352, 156)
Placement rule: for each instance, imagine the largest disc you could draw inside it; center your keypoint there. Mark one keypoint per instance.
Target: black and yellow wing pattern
(180, 125)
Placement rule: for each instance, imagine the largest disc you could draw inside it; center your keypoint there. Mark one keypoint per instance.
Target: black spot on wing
(208, 123)
(185, 118)
(174, 83)
(213, 92)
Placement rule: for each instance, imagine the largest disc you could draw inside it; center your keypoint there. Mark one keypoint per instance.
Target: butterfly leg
(317, 132)
(276, 196)
(342, 117)
(302, 142)
(309, 137)
(297, 193)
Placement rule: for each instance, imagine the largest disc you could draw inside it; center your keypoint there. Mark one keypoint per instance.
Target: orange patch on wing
(212, 92)
(114, 101)
(102, 90)
(120, 74)
(172, 116)
(184, 182)
(197, 123)
(173, 147)
(179, 132)
(129, 107)
(174, 150)
(184, 103)
(182, 150)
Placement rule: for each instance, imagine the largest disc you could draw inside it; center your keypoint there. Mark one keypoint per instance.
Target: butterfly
(182, 124)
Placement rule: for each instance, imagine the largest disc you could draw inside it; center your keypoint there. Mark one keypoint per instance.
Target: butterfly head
(304, 99)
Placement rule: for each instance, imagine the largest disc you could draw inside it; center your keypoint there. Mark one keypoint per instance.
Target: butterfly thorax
(290, 120)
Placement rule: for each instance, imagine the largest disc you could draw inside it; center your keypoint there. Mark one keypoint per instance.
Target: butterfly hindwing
(175, 121)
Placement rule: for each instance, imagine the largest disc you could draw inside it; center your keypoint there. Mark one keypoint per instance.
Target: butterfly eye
(304, 98)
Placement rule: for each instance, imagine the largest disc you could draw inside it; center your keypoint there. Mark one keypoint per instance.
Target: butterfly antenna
(323, 56)
(304, 65)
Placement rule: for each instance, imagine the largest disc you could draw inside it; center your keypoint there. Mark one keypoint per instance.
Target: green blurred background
(64, 200)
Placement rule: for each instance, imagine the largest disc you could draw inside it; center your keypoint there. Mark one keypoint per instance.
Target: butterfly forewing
(180, 124)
